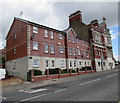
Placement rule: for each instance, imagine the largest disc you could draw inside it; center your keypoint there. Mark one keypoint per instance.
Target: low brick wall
(45, 77)
(11, 81)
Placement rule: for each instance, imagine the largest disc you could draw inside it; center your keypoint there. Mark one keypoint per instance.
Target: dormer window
(14, 50)
(68, 38)
(35, 29)
(73, 39)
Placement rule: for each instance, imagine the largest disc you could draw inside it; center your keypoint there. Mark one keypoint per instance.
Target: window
(46, 49)
(51, 35)
(79, 63)
(14, 36)
(53, 63)
(74, 63)
(46, 33)
(14, 50)
(60, 36)
(83, 43)
(78, 52)
(78, 41)
(70, 51)
(52, 49)
(47, 63)
(68, 38)
(35, 62)
(35, 45)
(62, 63)
(85, 63)
(35, 29)
(70, 63)
(73, 39)
(61, 49)
(98, 63)
(74, 51)
(88, 63)
(104, 63)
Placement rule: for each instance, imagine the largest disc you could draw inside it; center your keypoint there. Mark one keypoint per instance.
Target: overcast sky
(55, 14)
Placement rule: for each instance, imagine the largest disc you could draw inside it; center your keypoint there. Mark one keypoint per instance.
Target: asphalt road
(102, 86)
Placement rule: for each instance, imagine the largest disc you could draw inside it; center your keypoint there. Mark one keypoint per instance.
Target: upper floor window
(73, 39)
(70, 51)
(77, 40)
(46, 33)
(14, 50)
(74, 50)
(46, 49)
(83, 43)
(35, 29)
(78, 52)
(14, 36)
(36, 62)
(35, 45)
(51, 35)
(61, 49)
(60, 36)
(52, 49)
(68, 38)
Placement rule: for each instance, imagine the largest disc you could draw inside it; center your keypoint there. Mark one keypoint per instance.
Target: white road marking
(3, 97)
(40, 95)
(89, 82)
(39, 90)
(111, 75)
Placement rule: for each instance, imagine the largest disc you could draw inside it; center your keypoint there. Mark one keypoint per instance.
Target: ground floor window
(104, 63)
(70, 63)
(36, 62)
(62, 63)
(79, 63)
(74, 63)
(98, 63)
(47, 63)
(53, 63)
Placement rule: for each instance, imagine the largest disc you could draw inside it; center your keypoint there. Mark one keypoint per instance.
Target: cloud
(113, 34)
(55, 14)
(117, 57)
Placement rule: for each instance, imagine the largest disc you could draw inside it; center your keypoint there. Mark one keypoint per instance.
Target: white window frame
(73, 39)
(62, 63)
(78, 41)
(51, 35)
(74, 51)
(68, 38)
(35, 62)
(47, 63)
(15, 36)
(35, 29)
(52, 49)
(35, 45)
(79, 52)
(71, 64)
(46, 48)
(60, 36)
(70, 51)
(53, 63)
(61, 49)
(46, 33)
(75, 64)
(14, 50)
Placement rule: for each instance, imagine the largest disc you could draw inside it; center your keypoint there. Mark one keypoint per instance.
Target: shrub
(73, 71)
(64, 71)
(54, 71)
(36, 72)
(87, 67)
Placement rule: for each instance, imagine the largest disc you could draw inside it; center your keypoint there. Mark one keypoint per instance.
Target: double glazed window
(61, 49)
(35, 45)
(35, 62)
(52, 49)
(35, 29)
(60, 36)
(46, 33)
(46, 49)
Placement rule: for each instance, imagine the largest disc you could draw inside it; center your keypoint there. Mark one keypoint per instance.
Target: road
(102, 86)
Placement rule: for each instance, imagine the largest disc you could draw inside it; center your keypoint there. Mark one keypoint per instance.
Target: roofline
(39, 25)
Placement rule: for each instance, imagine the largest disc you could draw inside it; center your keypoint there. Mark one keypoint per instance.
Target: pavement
(99, 86)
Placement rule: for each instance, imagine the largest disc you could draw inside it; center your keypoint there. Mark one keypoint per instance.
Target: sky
(54, 13)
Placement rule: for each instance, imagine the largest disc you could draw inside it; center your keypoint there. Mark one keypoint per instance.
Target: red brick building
(33, 46)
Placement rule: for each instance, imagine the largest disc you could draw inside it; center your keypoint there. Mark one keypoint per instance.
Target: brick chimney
(94, 22)
(75, 17)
